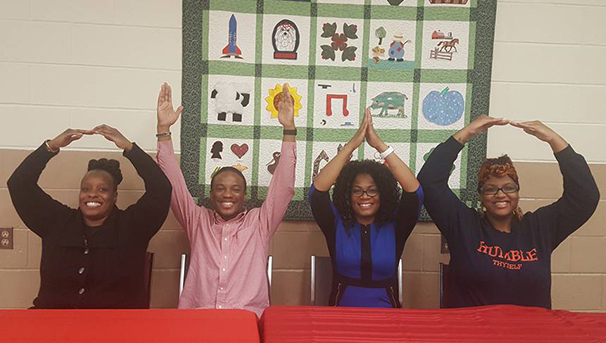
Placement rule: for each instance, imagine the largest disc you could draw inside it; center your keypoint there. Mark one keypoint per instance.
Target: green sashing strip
(341, 11)
(259, 99)
(281, 7)
(230, 68)
(243, 6)
(447, 13)
(311, 89)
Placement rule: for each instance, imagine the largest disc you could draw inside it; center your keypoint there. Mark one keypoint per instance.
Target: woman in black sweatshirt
(499, 255)
(93, 256)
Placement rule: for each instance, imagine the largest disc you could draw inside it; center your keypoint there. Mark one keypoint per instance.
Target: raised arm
(398, 168)
(581, 194)
(327, 176)
(282, 185)
(440, 201)
(36, 208)
(151, 209)
(185, 209)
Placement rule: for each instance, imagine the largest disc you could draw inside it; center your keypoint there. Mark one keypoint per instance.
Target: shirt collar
(220, 221)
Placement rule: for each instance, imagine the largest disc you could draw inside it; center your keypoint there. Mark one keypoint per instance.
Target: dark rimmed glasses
(371, 192)
(507, 189)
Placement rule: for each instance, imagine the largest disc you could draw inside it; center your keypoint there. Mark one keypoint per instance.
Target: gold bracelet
(48, 147)
(163, 134)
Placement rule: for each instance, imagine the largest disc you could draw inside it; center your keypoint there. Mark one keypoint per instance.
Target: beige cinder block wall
(68, 63)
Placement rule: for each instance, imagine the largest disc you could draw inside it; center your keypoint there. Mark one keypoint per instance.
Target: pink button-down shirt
(229, 258)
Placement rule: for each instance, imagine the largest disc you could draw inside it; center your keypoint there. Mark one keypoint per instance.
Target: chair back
(149, 263)
(183, 272)
(400, 283)
(445, 285)
(321, 280)
(270, 261)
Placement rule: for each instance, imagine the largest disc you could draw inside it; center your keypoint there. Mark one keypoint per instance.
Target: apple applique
(443, 108)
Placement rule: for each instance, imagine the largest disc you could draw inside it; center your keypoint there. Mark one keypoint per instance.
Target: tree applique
(339, 42)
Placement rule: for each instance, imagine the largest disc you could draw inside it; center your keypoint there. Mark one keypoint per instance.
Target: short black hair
(112, 167)
(386, 183)
(227, 169)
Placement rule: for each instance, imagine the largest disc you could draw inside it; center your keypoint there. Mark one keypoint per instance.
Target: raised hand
(113, 135)
(372, 137)
(542, 132)
(359, 136)
(66, 137)
(482, 123)
(285, 105)
(327, 176)
(167, 115)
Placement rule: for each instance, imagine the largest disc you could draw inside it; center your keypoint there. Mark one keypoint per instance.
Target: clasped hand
(111, 134)
(367, 131)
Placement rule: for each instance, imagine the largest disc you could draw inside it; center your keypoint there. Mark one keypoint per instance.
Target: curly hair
(386, 184)
(112, 167)
(499, 167)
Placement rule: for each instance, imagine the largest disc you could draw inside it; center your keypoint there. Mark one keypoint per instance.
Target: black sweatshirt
(492, 267)
(100, 270)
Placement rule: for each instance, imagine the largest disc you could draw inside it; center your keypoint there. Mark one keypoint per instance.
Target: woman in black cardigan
(93, 256)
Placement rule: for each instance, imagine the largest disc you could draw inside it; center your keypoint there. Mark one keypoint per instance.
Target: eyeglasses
(507, 189)
(372, 192)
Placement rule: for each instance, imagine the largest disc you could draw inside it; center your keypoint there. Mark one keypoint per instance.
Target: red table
(128, 326)
(480, 324)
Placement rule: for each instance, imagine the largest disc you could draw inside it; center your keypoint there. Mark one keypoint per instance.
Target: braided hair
(386, 184)
(112, 167)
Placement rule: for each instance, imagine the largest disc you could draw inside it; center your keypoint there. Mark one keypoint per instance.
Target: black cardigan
(490, 267)
(107, 269)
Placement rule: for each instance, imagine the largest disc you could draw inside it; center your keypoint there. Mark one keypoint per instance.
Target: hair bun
(110, 166)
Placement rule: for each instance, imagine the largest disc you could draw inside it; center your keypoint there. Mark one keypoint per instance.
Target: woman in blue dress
(367, 222)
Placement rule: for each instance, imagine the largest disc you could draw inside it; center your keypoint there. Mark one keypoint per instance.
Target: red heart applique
(239, 150)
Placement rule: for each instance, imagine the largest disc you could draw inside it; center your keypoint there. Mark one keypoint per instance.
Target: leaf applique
(349, 53)
(327, 52)
(350, 31)
(328, 30)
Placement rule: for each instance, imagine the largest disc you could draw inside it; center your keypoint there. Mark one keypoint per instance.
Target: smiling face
(365, 206)
(500, 205)
(98, 195)
(228, 194)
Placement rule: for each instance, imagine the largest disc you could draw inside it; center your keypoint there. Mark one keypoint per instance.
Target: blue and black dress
(365, 257)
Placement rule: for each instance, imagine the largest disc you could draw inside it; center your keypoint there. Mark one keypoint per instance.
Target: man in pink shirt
(229, 244)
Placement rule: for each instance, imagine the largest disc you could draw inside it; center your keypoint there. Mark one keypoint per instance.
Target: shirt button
(220, 306)
(220, 288)
(225, 239)
(81, 270)
(223, 269)
(81, 291)
(86, 251)
(225, 257)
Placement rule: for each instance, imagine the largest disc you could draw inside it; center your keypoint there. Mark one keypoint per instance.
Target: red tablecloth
(480, 324)
(128, 326)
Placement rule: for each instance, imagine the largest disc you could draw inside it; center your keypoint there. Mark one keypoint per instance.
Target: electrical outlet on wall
(6, 237)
